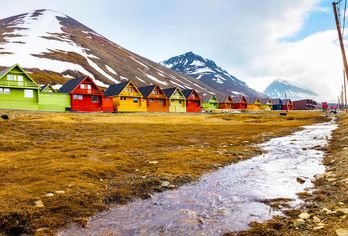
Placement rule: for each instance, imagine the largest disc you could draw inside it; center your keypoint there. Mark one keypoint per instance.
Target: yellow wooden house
(126, 97)
(253, 103)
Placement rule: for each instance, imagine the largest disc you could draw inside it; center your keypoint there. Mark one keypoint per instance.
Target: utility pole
(345, 92)
(340, 39)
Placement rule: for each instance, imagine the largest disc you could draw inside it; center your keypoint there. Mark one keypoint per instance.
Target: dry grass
(96, 159)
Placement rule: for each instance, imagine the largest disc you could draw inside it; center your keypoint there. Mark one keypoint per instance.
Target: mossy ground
(58, 168)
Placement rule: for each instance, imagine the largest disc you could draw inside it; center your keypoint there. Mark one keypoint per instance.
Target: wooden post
(345, 92)
(340, 39)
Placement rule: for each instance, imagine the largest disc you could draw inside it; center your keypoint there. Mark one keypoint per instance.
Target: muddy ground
(59, 168)
(325, 210)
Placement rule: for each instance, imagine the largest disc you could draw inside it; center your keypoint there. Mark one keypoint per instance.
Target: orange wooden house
(225, 102)
(155, 98)
(193, 100)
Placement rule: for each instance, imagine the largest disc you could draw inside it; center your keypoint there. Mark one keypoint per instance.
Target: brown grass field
(59, 168)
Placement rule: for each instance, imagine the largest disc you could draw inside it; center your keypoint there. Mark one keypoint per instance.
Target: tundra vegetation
(59, 168)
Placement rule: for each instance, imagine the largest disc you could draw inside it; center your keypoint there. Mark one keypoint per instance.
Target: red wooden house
(287, 105)
(239, 102)
(193, 103)
(86, 96)
(155, 98)
(225, 102)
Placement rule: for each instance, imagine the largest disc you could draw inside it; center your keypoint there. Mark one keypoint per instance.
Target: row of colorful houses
(19, 91)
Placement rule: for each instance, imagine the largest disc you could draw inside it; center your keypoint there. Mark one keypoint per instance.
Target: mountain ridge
(208, 72)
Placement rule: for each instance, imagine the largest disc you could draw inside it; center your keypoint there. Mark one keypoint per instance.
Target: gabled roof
(208, 97)
(276, 101)
(44, 87)
(223, 98)
(147, 90)
(188, 92)
(237, 99)
(170, 91)
(7, 70)
(116, 89)
(265, 101)
(252, 100)
(70, 85)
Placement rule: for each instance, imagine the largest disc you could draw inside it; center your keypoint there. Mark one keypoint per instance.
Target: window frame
(95, 101)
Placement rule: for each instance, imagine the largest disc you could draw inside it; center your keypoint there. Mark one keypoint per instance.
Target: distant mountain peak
(280, 88)
(208, 72)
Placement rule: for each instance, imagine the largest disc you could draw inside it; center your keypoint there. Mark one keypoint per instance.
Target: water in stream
(226, 200)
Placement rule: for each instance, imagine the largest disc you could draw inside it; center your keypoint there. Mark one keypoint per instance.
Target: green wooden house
(177, 100)
(210, 102)
(50, 100)
(18, 90)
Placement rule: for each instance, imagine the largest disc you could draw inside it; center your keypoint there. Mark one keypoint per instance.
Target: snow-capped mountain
(209, 73)
(54, 48)
(281, 88)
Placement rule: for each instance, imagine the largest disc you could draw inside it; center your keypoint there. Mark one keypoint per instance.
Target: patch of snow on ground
(140, 63)
(100, 70)
(204, 70)
(219, 81)
(197, 63)
(111, 70)
(57, 86)
(140, 79)
(155, 79)
(179, 85)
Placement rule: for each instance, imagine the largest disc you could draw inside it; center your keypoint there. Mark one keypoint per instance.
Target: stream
(226, 200)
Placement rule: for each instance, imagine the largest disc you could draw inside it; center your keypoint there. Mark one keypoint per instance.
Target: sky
(256, 41)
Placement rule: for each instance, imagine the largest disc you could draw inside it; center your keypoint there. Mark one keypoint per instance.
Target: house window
(28, 93)
(89, 87)
(94, 99)
(1, 90)
(7, 91)
(152, 100)
(135, 100)
(20, 78)
(78, 97)
(161, 101)
(10, 77)
(123, 98)
(156, 92)
(172, 100)
(180, 102)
